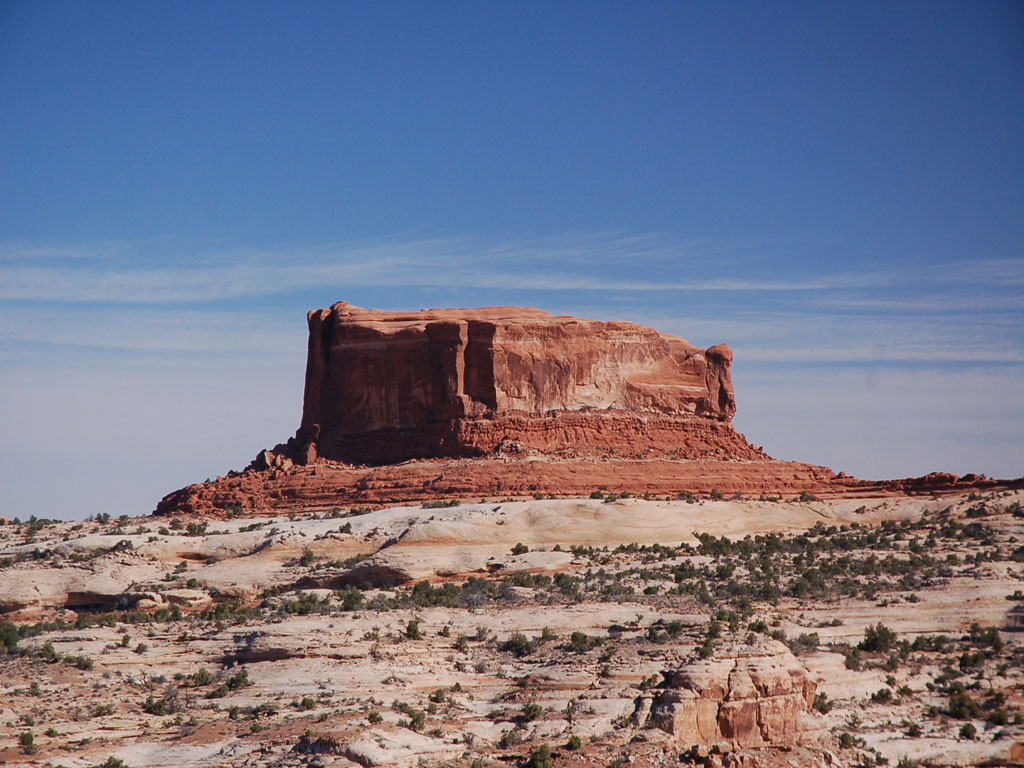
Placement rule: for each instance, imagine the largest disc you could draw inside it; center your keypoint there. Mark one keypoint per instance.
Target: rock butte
(512, 401)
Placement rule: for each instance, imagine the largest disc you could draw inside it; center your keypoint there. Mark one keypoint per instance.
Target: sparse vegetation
(673, 603)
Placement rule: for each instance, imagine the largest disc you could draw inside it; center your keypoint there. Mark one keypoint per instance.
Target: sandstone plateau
(506, 401)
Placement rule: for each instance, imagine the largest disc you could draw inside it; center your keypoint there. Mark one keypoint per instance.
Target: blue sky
(834, 189)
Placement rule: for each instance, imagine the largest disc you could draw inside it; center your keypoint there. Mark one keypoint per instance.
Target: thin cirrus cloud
(132, 274)
(121, 296)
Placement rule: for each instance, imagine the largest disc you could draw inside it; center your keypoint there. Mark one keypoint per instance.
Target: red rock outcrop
(383, 387)
(749, 696)
(509, 401)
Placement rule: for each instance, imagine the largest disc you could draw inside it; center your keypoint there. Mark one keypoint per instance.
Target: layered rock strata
(384, 387)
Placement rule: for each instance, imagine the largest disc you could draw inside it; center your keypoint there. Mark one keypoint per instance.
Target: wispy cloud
(226, 299)
(129, 274)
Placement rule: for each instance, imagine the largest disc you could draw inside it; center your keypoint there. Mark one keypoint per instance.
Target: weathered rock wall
(384, 387)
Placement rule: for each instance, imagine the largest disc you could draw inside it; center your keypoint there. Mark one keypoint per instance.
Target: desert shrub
(574, 742)
(971, 660)
(963, 707)
(821, 703)
(968, 731)
(238, 680)
(9, 637)
(165, 705)
(579, 642)
(531, 711)
(518, 645)
(28, 743)
(804, 643)
(877, 639)
(510, 738)
(441, 504)
(48, 653)
(986, 638)
(997, 717)
(351, 598)
(540, 758)
(882, 696)
(520, 549)
(305, 604)
(848, 740)
(412, 630)
(416, 720)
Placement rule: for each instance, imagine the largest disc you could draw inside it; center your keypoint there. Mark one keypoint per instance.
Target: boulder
(748, 696)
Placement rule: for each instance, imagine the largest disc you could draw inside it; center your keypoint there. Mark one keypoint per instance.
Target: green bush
(531, 711)
(518, 645)
(28, 743)
(9, 637)
(540, 758)
(877, 639)
(963, 707)
(821, 703)
(238, 680)
(579, 642)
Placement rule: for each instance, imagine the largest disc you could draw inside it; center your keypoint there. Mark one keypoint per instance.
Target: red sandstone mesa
(386, 387)
(508, 400)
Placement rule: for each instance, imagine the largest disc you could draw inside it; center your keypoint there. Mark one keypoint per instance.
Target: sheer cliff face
(440, 374)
